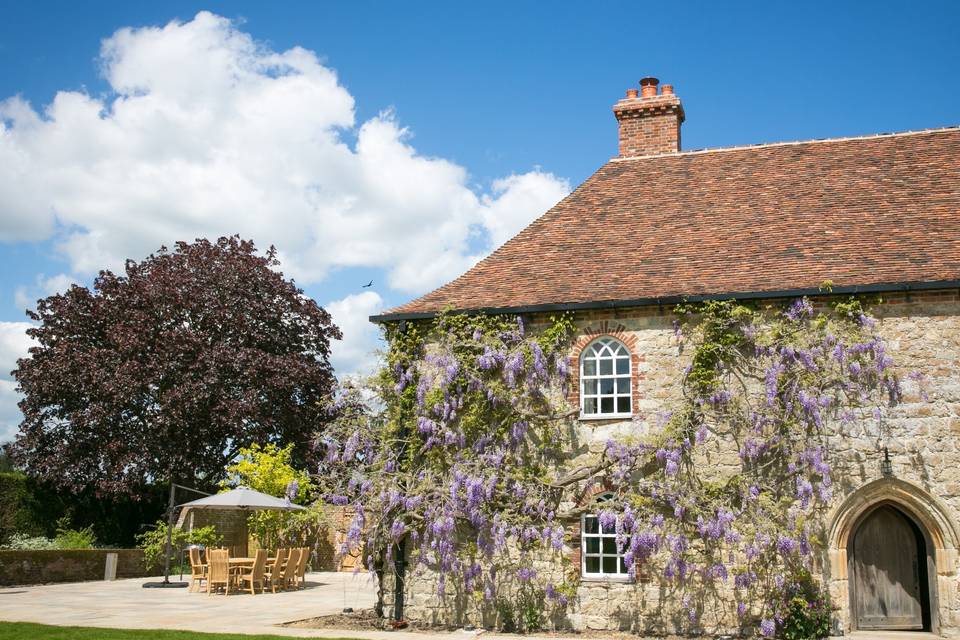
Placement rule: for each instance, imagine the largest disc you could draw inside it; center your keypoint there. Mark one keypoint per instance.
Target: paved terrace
(124, 604)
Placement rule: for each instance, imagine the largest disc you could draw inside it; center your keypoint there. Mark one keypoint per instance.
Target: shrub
(68, 538)
(26, 542)
(22, 511)
(154, 542)
(802, 609)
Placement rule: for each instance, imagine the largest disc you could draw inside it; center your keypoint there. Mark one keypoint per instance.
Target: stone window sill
(610, 417)
(599, 579)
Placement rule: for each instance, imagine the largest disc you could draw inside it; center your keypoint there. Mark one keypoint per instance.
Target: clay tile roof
(863, 213)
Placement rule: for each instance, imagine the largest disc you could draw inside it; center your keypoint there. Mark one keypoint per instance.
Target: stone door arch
(936, 535)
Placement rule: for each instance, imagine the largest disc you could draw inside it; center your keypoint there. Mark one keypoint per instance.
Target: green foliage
(154, 541)
(69, 538)
(31, 508)
(804, 608)
(6, 464)
(26, 542)
(21, 512)
(269, 469)
(66, 538)
(531, 612)
(720, 323)
(521, 612)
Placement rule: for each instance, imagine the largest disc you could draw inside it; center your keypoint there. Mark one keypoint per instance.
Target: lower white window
(600, 556)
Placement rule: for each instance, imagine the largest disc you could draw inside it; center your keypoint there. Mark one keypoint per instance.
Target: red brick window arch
(606, 379)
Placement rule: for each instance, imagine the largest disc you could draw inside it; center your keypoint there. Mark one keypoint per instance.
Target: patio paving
(126, 604)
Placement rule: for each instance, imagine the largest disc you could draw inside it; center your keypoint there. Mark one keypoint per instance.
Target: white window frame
(612, 348)
(601, 536)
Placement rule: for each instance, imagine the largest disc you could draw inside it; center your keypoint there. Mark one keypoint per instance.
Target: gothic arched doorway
(889, 576)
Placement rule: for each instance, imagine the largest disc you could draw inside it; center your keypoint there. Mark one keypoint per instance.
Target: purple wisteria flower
(786, 545)
(526, 574)
(768, 628)
(608, 520)
(799, 310)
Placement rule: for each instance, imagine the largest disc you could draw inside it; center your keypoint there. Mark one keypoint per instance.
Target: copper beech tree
(166, 371)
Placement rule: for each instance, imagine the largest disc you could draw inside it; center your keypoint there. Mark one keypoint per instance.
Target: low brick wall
(53, 565)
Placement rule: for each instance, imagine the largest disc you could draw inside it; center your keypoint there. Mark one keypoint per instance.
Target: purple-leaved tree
(166, 371)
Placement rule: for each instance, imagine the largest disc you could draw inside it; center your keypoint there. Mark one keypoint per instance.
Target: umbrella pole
(169, 543)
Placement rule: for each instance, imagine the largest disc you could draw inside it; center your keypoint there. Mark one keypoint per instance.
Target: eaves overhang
(890, 287)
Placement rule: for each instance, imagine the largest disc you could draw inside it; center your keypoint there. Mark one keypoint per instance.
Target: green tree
(269, 469)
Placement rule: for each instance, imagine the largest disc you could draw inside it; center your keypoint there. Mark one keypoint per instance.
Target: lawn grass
(30, 631)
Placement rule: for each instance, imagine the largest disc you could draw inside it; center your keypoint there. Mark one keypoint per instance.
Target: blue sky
(396, 142)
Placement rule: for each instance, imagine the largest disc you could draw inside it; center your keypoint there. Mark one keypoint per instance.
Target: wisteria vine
(467, 449)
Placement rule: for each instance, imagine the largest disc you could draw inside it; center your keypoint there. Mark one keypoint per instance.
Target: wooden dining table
(241, 562)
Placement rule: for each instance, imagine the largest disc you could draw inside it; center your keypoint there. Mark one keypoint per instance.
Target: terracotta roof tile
(857, 211)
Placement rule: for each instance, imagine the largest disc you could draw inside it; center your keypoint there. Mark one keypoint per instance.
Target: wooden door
(887, 564)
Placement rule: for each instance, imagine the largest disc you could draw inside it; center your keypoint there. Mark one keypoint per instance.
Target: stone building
(655, 226)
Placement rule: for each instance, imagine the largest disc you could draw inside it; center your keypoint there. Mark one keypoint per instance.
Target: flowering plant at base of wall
(801, 609)
(469, 454)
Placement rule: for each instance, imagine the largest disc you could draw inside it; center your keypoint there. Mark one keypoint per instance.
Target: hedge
(31, 507)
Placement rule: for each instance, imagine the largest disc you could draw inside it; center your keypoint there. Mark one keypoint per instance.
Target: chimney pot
(648, 87)
(667, 89)
(632, 93)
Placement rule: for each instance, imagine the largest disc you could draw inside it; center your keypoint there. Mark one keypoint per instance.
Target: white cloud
(356, 353)
(26, 297)
(14, 343)
(208, 132)
(515, 193)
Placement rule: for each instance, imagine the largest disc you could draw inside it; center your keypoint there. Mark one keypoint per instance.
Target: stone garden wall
(55, 565)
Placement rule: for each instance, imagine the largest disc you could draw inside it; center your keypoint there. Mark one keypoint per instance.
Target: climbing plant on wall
(465, 449)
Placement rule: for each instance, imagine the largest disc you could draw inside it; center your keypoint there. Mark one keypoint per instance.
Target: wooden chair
(275, 569)
(302, 567)
(278, 560)
(255, 574)
(198, 569)
(289, 578)
(218, 571)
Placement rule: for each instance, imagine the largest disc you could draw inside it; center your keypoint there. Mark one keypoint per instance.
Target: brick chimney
(649, 122)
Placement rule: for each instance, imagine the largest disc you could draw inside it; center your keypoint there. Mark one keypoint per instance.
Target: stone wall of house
(923, 335)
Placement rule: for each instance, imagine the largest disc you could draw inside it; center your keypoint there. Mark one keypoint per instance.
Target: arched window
(601, 557)
(605, 385)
